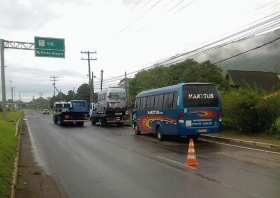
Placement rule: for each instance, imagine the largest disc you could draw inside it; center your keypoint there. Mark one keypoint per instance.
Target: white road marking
(254, 149)
(175, 162)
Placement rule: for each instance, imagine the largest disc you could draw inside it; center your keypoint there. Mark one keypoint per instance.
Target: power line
(247, 51)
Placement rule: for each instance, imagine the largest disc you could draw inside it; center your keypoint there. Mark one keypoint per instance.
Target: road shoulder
(32, 181)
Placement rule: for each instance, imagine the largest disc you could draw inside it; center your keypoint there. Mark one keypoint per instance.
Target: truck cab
(60, 107)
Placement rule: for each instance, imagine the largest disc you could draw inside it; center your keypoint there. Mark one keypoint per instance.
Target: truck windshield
(66, 105)
(79, 104)
(116, 96)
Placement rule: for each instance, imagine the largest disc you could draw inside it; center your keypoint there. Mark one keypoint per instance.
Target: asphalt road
(94, 161)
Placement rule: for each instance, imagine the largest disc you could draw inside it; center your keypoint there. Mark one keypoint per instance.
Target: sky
(127, 36)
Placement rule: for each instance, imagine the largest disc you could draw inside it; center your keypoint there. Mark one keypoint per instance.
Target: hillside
(266, 58)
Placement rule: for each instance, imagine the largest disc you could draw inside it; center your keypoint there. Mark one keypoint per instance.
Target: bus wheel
(137, 132)
(159, 134)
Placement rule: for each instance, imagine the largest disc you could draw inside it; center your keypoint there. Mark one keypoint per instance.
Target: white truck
(110, 107)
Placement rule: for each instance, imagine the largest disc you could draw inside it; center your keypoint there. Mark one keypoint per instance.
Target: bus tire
(159, 134)
(137, 132)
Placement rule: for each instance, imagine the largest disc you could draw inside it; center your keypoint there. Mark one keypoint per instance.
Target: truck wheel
(61, 123)
(102, 121)
(93, 121)
(120, 124)
(55, 120)
(79, 123)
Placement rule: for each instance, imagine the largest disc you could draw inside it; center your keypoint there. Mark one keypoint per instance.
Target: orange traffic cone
(191, 159)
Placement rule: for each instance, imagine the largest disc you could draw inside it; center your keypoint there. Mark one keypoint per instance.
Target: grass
(8, 149)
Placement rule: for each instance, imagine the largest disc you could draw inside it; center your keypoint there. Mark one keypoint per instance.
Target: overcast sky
(128, 35)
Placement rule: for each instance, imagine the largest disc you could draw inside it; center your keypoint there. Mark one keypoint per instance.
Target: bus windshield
(200, 96)
(116, 96)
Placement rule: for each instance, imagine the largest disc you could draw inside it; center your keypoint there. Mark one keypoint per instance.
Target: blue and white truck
(74, 111)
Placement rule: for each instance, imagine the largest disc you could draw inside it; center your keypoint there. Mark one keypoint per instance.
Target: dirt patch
(32, 181)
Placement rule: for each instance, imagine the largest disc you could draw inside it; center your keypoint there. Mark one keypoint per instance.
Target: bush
(250, 111)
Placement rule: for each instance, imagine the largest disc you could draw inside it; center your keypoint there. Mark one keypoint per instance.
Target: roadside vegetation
(250, 111)
(8, 149)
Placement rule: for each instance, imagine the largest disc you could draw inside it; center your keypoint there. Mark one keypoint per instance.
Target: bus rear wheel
(159, 134)
(137, 132)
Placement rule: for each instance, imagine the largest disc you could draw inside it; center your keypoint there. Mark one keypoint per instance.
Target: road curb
(237, 141)
(244, 142)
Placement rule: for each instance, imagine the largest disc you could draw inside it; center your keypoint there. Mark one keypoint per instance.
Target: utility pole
(92, 82)
(11, 90)
(54, 80)
(127, 90)
(4, 104)
(101, 82)
(89, 73)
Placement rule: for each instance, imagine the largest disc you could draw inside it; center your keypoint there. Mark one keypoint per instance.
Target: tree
(70, 95)
(83, 93)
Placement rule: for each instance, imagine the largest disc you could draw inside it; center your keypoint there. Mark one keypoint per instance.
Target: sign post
(49, 47)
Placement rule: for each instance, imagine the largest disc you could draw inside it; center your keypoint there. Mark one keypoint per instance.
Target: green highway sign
(49, 47)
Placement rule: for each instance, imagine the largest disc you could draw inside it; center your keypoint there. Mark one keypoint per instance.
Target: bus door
(202, 109)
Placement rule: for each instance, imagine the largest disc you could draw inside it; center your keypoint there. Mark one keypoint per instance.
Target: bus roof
(167, 89)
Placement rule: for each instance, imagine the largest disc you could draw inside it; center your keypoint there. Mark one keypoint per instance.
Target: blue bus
(185, 109)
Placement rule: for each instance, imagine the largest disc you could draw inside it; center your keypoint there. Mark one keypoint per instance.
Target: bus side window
(156, 102)
(152, 102)
(148, 102)
(139, 104)
(160, 101)
(165, 101)
(137, 101)
(143, 103)
(174, 105)
(170, 101)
